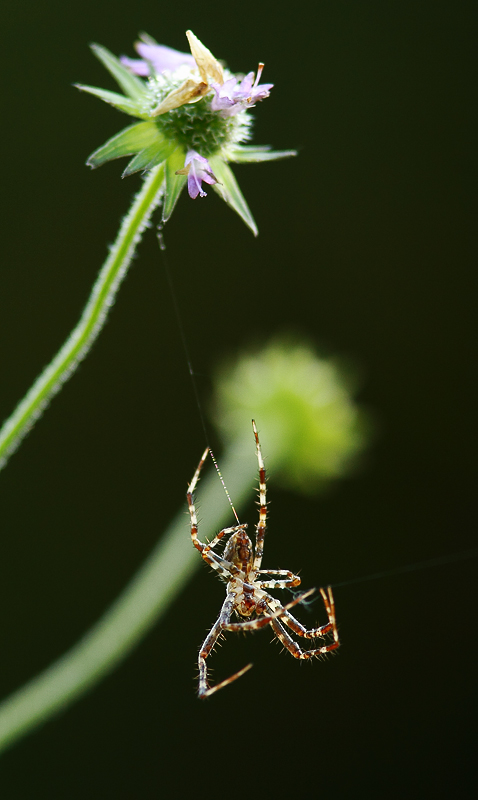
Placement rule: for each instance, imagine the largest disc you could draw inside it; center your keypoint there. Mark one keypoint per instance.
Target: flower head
(194, 120)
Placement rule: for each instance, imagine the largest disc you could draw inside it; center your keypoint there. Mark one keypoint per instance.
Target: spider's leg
(220, 535)
(329, 604)
(192, 508)
(226, 682)
(221, 624)
(194, 482)
(314, 633)
(222, 566)
(288, 582)
(262, 607)
(298, 628)
(293, 647)
(261, 525)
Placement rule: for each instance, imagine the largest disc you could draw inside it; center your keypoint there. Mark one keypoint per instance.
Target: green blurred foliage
(314, 430)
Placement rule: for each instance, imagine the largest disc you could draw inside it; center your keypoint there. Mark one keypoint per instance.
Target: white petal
(208, 66)
(189, 92)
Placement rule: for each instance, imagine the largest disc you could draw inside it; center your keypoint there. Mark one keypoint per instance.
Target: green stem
(92, 320)
(135, 611)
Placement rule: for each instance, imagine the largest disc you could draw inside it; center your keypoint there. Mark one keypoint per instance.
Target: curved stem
(135, 611)
(92, 320)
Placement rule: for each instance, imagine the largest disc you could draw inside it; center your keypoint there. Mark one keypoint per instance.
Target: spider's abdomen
(239, 551)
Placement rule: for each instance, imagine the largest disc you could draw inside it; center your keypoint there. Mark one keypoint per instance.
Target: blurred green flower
(195, 120)
(304, 406)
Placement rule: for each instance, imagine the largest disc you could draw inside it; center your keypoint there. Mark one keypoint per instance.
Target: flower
(234, 95)
(197, 169)
(194, 120)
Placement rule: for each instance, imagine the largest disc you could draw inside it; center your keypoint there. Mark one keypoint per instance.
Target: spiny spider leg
(192, 508)
(210, 641)
(220, 536)
(193, 484)
(260, 622)
(315, 633)
(223, 624)
(226, 682)
(208, 645)
(300, 630)
(261, 525)
(282, 613)
(287, 583)
(293, 647)
(224, 568)
(329, 604)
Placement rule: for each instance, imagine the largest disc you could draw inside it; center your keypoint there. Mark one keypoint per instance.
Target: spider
(240, 568)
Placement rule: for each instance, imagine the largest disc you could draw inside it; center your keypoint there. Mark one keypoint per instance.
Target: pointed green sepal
(242, 154)
(229, 190)
(147, 39)
(119, 101)
(130, 140)
(174, 183)
(130, 84)
(148, 158)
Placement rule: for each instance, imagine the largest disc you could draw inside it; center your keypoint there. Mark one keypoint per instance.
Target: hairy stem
(134, 612)
(92, 320)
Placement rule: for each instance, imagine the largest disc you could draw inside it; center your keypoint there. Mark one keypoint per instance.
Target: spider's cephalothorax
(240, 567)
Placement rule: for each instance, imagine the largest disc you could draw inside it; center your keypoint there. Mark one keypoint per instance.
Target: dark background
(365, 247)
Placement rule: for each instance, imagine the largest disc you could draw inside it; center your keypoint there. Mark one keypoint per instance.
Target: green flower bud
(311, 427)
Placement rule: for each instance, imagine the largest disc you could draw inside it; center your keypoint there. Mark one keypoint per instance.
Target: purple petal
(227, 87)
(192, 155)
(244, 89)
(223, 94)
(136, 66)
(207, 177)
(194, 184)
(220, 103)
(261, 92)
(234, 96)
(199, 171)
(162, 57)
(159, 57)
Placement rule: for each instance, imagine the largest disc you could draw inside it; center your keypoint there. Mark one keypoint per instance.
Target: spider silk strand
(417, 566)
(182, 332)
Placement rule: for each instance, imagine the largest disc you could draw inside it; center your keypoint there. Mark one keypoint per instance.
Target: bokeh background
(365, 248)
